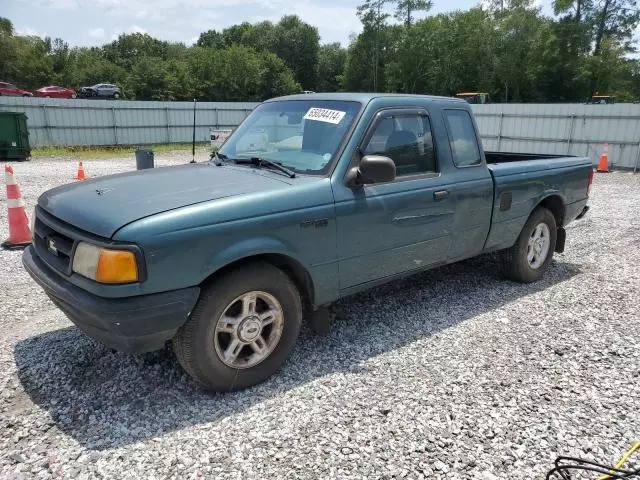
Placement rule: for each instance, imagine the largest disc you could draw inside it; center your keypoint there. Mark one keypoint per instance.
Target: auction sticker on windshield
(325, 115)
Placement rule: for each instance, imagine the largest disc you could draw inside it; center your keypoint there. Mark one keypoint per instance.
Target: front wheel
(531, 255)
(116, 96)
(242, 329)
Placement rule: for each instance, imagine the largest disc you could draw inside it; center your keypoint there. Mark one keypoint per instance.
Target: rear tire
(242, 329)
(532, 253)
(116, 96)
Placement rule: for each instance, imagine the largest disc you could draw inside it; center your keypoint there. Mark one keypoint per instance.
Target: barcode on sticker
(325, 115)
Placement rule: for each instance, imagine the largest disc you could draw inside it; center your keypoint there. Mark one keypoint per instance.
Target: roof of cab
(362, 97)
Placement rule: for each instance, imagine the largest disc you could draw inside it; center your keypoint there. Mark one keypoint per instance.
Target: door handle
(440, 195)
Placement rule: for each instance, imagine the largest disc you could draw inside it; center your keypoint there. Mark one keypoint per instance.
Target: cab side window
(462, 137)
(407, 140)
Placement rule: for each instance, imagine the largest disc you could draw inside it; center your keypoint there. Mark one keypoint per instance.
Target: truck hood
(103, 205)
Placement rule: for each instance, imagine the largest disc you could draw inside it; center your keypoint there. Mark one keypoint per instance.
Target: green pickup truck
(312, 198)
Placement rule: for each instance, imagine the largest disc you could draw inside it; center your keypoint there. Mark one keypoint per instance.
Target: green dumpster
(14, 137)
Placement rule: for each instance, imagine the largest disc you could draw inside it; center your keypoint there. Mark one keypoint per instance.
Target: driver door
(389, 229)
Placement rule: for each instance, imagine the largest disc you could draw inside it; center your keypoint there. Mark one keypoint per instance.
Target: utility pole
(377, 43)
(193, 140)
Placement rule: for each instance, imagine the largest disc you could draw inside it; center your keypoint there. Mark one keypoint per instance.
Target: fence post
(47, 130)
(166, 114)
(217, 118)
(635, 168)
(570, 137)
(115, 125)
(500, 130)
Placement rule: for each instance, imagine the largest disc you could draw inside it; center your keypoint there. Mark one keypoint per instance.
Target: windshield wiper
(218, 157)
(260, 162)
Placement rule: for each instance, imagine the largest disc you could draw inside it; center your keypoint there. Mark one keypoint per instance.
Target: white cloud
(136, 29)
(63, 4)
(181, 20)
(110, 4)
(334, 22)
(27, 32)
(96, 33)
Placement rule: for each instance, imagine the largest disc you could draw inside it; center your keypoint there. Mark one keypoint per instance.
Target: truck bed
(502, 164)
(522, 180)
(507, 157)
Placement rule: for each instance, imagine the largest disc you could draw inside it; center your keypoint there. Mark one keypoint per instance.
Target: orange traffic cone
(19, 231)
(80, 175)
(603, 166)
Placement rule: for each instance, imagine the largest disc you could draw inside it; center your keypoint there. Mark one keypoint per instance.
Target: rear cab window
(462, 138)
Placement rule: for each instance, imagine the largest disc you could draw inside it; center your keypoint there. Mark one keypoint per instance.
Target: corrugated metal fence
(57, 122)
(564, 129)
(571, 129)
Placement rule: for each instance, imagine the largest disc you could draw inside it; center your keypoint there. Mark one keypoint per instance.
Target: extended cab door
(473, 188)
(393, 228)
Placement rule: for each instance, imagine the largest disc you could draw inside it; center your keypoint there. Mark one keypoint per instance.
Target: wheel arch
(556, 205)
(296, 271)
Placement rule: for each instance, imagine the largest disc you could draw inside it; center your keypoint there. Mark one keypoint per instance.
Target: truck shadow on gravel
(105, 399)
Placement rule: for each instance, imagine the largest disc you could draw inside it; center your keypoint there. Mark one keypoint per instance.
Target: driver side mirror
(372, 169)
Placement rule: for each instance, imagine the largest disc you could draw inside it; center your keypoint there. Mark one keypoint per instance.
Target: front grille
(53, 243)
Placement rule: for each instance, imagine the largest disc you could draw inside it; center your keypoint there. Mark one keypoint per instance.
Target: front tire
(242, 329)
(532, 253)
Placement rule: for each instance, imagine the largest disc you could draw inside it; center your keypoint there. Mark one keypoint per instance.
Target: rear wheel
(116, 95)
(242, 329)
(532, 253)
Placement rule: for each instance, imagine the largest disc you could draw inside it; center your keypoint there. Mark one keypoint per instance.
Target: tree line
(507, 48)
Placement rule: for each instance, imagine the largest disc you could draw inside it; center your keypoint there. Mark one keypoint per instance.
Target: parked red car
(11, 90)
(56, 92)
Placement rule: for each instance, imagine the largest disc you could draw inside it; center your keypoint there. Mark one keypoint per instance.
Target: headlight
(105, 265)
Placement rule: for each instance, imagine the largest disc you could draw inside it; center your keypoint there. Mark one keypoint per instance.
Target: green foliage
(507, 48)
(331, 62)
(6, 27)
(238, 73)
(211, 39)
(405, 9)
(297, 43)
(32, 64)
(235, 65)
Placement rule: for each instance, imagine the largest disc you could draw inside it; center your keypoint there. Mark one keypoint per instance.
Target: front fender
(251, 247)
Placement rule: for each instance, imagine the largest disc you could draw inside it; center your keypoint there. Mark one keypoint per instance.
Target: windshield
(302, 135)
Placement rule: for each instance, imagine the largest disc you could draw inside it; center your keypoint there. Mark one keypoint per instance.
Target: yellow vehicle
(602, 99)
(474, 97)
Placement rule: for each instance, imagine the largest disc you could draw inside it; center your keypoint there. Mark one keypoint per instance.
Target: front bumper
(133, 324)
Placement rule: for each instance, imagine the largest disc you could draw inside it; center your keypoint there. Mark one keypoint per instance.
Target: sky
(95, 22)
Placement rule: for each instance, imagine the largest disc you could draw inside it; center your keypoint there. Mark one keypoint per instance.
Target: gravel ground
(452, 374)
